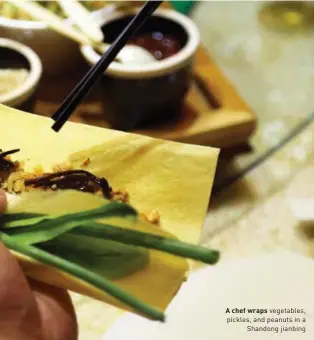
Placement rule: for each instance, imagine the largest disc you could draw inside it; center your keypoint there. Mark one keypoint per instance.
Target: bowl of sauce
(139, 95)
(20, 73)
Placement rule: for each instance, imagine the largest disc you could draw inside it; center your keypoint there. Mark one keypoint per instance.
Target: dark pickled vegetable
(81, 180)
(6, 165)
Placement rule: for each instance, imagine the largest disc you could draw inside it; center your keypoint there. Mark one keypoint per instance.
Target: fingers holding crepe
(56, 311)
(29, 309)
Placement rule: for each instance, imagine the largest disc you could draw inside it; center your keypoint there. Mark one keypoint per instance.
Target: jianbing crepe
(173, 178)
(176, 178)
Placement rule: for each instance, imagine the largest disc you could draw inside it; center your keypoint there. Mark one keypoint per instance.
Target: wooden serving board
(214, 113)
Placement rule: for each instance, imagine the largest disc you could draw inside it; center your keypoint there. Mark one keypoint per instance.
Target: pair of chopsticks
(89, 80)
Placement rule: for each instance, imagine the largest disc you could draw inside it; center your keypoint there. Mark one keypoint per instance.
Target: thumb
(17, 303)
(14, 288)
(56, 312)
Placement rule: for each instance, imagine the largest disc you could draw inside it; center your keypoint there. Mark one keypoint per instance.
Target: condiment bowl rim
(22, 24)
(17, 95)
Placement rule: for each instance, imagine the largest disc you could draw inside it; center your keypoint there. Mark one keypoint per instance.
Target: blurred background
(266, 49)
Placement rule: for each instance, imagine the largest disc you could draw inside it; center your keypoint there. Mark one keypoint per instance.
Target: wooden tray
(214, 113)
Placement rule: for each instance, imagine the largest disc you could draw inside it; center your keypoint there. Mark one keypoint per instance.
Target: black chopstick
(89, 80)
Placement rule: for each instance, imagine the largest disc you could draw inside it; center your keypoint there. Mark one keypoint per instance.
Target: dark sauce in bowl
(160, 45)
(160, 36)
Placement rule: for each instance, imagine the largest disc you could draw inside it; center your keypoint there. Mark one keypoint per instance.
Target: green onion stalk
(37, 236)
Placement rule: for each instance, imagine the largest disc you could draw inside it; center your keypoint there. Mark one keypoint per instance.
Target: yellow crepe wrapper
(173, 178)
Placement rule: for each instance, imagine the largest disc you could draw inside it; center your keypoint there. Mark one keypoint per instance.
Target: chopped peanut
(152, 217)
(85, 163)
(120, 195)
(38, 170)
(62, 167)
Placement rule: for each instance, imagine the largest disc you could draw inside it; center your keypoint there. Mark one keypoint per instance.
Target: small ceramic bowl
(14, 55)
(54, 50)
(135, 95)
(57, 53)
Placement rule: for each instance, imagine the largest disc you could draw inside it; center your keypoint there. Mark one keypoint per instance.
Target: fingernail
(3, 201)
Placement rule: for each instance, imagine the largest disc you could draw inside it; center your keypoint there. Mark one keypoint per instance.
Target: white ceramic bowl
(24, 93)
(54, 50)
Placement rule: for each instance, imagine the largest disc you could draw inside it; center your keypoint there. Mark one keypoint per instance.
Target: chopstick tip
(57, 126)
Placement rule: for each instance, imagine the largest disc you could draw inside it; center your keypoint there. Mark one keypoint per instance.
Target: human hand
(30, 310)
